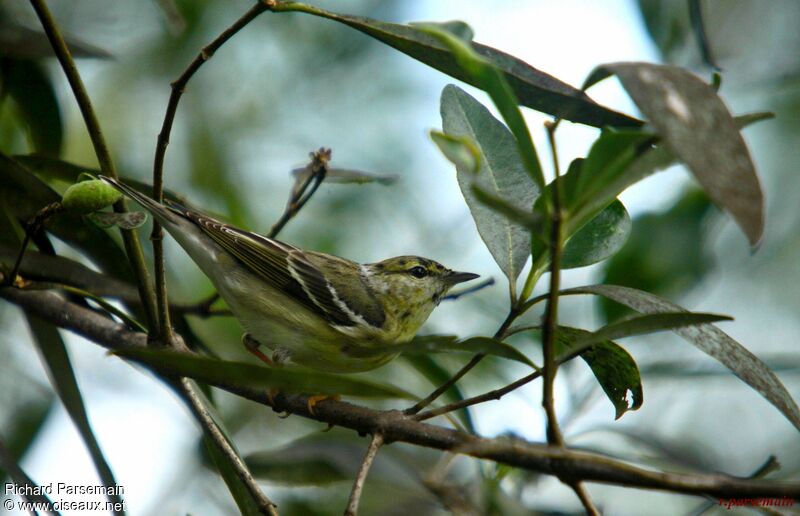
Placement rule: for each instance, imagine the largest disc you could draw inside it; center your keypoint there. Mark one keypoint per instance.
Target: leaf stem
(551, 308)
(132, 246)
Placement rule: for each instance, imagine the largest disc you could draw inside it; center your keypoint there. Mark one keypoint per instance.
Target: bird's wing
(292, 271)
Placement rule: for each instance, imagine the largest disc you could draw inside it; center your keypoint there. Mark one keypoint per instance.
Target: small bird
(310, 308)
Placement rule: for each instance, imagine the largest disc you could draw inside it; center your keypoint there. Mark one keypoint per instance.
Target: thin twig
(471, 290)
(550, 327)
(300, 195)
(583, 496)
(499, 334)
(189, 393)
(298, 198)
(132, 246)
(358, 484)
(178, 87)
(33, 226)
(551, 309)
(396, 427)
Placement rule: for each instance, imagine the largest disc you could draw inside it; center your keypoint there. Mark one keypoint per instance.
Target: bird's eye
(418, 271)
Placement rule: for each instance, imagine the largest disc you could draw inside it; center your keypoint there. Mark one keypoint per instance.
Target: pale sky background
(566, 38)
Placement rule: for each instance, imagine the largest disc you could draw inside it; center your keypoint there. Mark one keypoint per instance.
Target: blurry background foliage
(291, 83)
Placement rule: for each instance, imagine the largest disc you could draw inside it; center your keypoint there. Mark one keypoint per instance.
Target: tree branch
(358, 484)
(394, 426)
(178, 87)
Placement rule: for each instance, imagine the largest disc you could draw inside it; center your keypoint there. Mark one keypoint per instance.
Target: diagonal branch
(395, 426)
(358, 484)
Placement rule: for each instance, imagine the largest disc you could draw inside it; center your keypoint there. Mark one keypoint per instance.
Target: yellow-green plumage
(311, 308)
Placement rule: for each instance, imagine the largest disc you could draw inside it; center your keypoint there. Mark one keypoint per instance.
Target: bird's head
(410, 287)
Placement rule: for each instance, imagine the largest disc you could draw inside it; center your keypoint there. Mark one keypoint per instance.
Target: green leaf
(643, 324)
(695, 123)
(614, 368)
(20, 42)
(712, 341)
(32, 91)
(460, 150)
(490, 80)
(10, 464)
(599, 239)
(501, 173)
(231, 375)
(456, 27)
(22, 426)
(449, 343)
(533, 88)
(57, 362)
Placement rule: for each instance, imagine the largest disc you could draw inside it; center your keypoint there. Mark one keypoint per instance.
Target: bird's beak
(459, 277)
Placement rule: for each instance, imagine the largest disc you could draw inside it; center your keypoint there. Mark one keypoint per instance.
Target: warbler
(310, 308)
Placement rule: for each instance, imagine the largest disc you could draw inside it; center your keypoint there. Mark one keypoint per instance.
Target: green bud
(89, 196)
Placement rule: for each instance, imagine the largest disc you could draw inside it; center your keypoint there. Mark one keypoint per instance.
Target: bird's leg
(313, 400)
(252, 345)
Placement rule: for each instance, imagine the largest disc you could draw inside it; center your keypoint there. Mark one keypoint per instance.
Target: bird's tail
(159, 211)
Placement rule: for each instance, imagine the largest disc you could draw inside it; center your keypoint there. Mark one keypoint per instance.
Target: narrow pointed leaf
(59, 367)
(643, 324)
(533, 88)
(29, 85)
(712, 341)
(450, 343)
(9, 463)
(501, 174)
(697, 126)
(227, 374)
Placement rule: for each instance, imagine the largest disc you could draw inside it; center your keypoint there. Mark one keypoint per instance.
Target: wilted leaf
(533, 88)
(712, 341)
(128, 220)
(614, 368)
(695, 123)
(346, 176)
(227, 374)
(501, 173)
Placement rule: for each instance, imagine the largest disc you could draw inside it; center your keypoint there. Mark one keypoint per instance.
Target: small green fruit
(89, 196)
